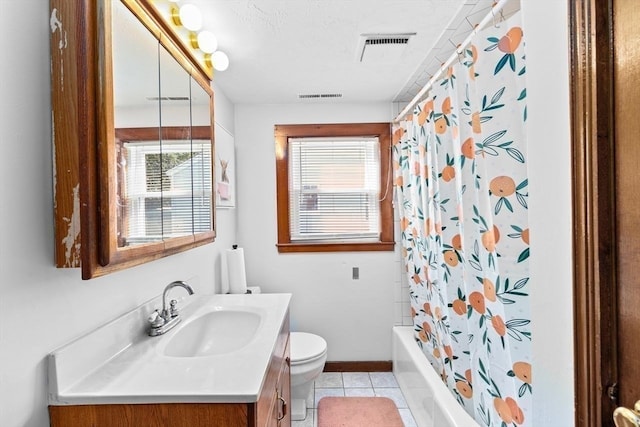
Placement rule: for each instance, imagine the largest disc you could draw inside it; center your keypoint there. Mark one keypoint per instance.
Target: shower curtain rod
(497, 7)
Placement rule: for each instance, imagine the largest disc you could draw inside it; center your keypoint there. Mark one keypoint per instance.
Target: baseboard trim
(359, 366)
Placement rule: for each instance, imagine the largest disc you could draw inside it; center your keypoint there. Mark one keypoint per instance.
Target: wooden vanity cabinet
(273, 407)
(271, 410)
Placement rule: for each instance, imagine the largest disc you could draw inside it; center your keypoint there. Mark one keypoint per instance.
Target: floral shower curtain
(460, 164)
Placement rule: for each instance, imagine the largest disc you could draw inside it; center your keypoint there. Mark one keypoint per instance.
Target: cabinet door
(267, 405)
(272, 419)
(284, 391)
(136, 104)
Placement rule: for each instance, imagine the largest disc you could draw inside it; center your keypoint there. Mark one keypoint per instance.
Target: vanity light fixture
(205, 41)
(218, 59)
(187, 16)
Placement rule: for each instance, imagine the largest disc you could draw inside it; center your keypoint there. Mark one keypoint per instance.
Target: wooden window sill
(335, 247)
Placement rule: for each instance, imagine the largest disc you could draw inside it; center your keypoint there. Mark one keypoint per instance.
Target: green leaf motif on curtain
(493, 105)
(511, 292)
(523, 255)
(514, 331)
(508, 58)
(494, 390)
(483, 372)
(449, 80)
(522, 199)
(488, 146)
(523, 70)
(503, 201)
(443, 208)
(524, 388)
(494, 44)
(475, 257)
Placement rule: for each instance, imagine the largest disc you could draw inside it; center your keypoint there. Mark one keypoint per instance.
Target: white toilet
(308, 354)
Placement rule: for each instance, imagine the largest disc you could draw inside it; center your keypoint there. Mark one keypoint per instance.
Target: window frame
(282, 133)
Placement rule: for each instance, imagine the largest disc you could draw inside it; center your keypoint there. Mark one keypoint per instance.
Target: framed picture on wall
(225, 168)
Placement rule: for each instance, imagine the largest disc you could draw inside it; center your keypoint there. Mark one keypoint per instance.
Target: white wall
(548, 132)
(42, 307)
(354, 316)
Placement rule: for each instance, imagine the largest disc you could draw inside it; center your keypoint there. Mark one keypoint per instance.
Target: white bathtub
(430, 401)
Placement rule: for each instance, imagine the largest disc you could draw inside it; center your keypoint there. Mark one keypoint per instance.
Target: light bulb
(190, 17)
(220, 60)
(207, 42)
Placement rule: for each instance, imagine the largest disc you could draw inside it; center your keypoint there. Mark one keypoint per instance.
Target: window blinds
(334, 188)
(167, 190)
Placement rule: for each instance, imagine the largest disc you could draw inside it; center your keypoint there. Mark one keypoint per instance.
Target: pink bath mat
(358, 412)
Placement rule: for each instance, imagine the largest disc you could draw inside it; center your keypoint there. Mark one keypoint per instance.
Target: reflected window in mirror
(165, 186)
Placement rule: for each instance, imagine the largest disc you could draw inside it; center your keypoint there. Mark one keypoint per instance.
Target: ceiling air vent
(319, 95)
(167, 98)
(390, 40)
(382, 47)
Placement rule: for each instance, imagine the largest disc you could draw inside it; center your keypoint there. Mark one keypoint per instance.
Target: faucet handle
(173, 310)
(156, 320)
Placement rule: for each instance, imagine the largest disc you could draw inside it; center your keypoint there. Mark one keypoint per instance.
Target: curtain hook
(457, 50)
(493, 14)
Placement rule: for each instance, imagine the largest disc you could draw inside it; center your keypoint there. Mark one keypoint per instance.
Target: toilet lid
(305, 346)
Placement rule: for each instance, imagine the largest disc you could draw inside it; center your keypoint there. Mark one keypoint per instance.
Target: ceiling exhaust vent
(319, 95)
(382, 47)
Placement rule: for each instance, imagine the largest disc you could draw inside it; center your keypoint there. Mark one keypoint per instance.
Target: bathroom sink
(219, 353)
(216, 332)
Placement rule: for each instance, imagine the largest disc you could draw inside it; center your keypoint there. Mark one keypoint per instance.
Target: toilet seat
(306, 347)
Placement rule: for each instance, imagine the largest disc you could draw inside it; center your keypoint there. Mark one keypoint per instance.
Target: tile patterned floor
(381, 384)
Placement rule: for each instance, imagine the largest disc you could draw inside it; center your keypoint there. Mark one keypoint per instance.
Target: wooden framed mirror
(133, 136)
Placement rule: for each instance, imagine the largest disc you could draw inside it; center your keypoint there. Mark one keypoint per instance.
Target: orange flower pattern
(460, 165)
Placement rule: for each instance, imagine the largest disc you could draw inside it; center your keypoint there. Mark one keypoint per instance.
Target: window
(334, 187)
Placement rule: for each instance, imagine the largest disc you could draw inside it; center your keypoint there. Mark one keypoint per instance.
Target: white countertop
(120, 363)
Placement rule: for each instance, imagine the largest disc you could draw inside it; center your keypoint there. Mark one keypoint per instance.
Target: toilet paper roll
(236, 272)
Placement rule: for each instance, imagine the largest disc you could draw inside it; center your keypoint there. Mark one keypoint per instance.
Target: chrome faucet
(163, 321)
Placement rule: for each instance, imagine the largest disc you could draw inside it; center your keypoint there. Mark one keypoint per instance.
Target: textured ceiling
(280, 49)
(456, 32)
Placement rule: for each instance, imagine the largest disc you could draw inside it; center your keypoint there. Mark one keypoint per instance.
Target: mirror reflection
(162, 117)
(174, 160)
(201, 148)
